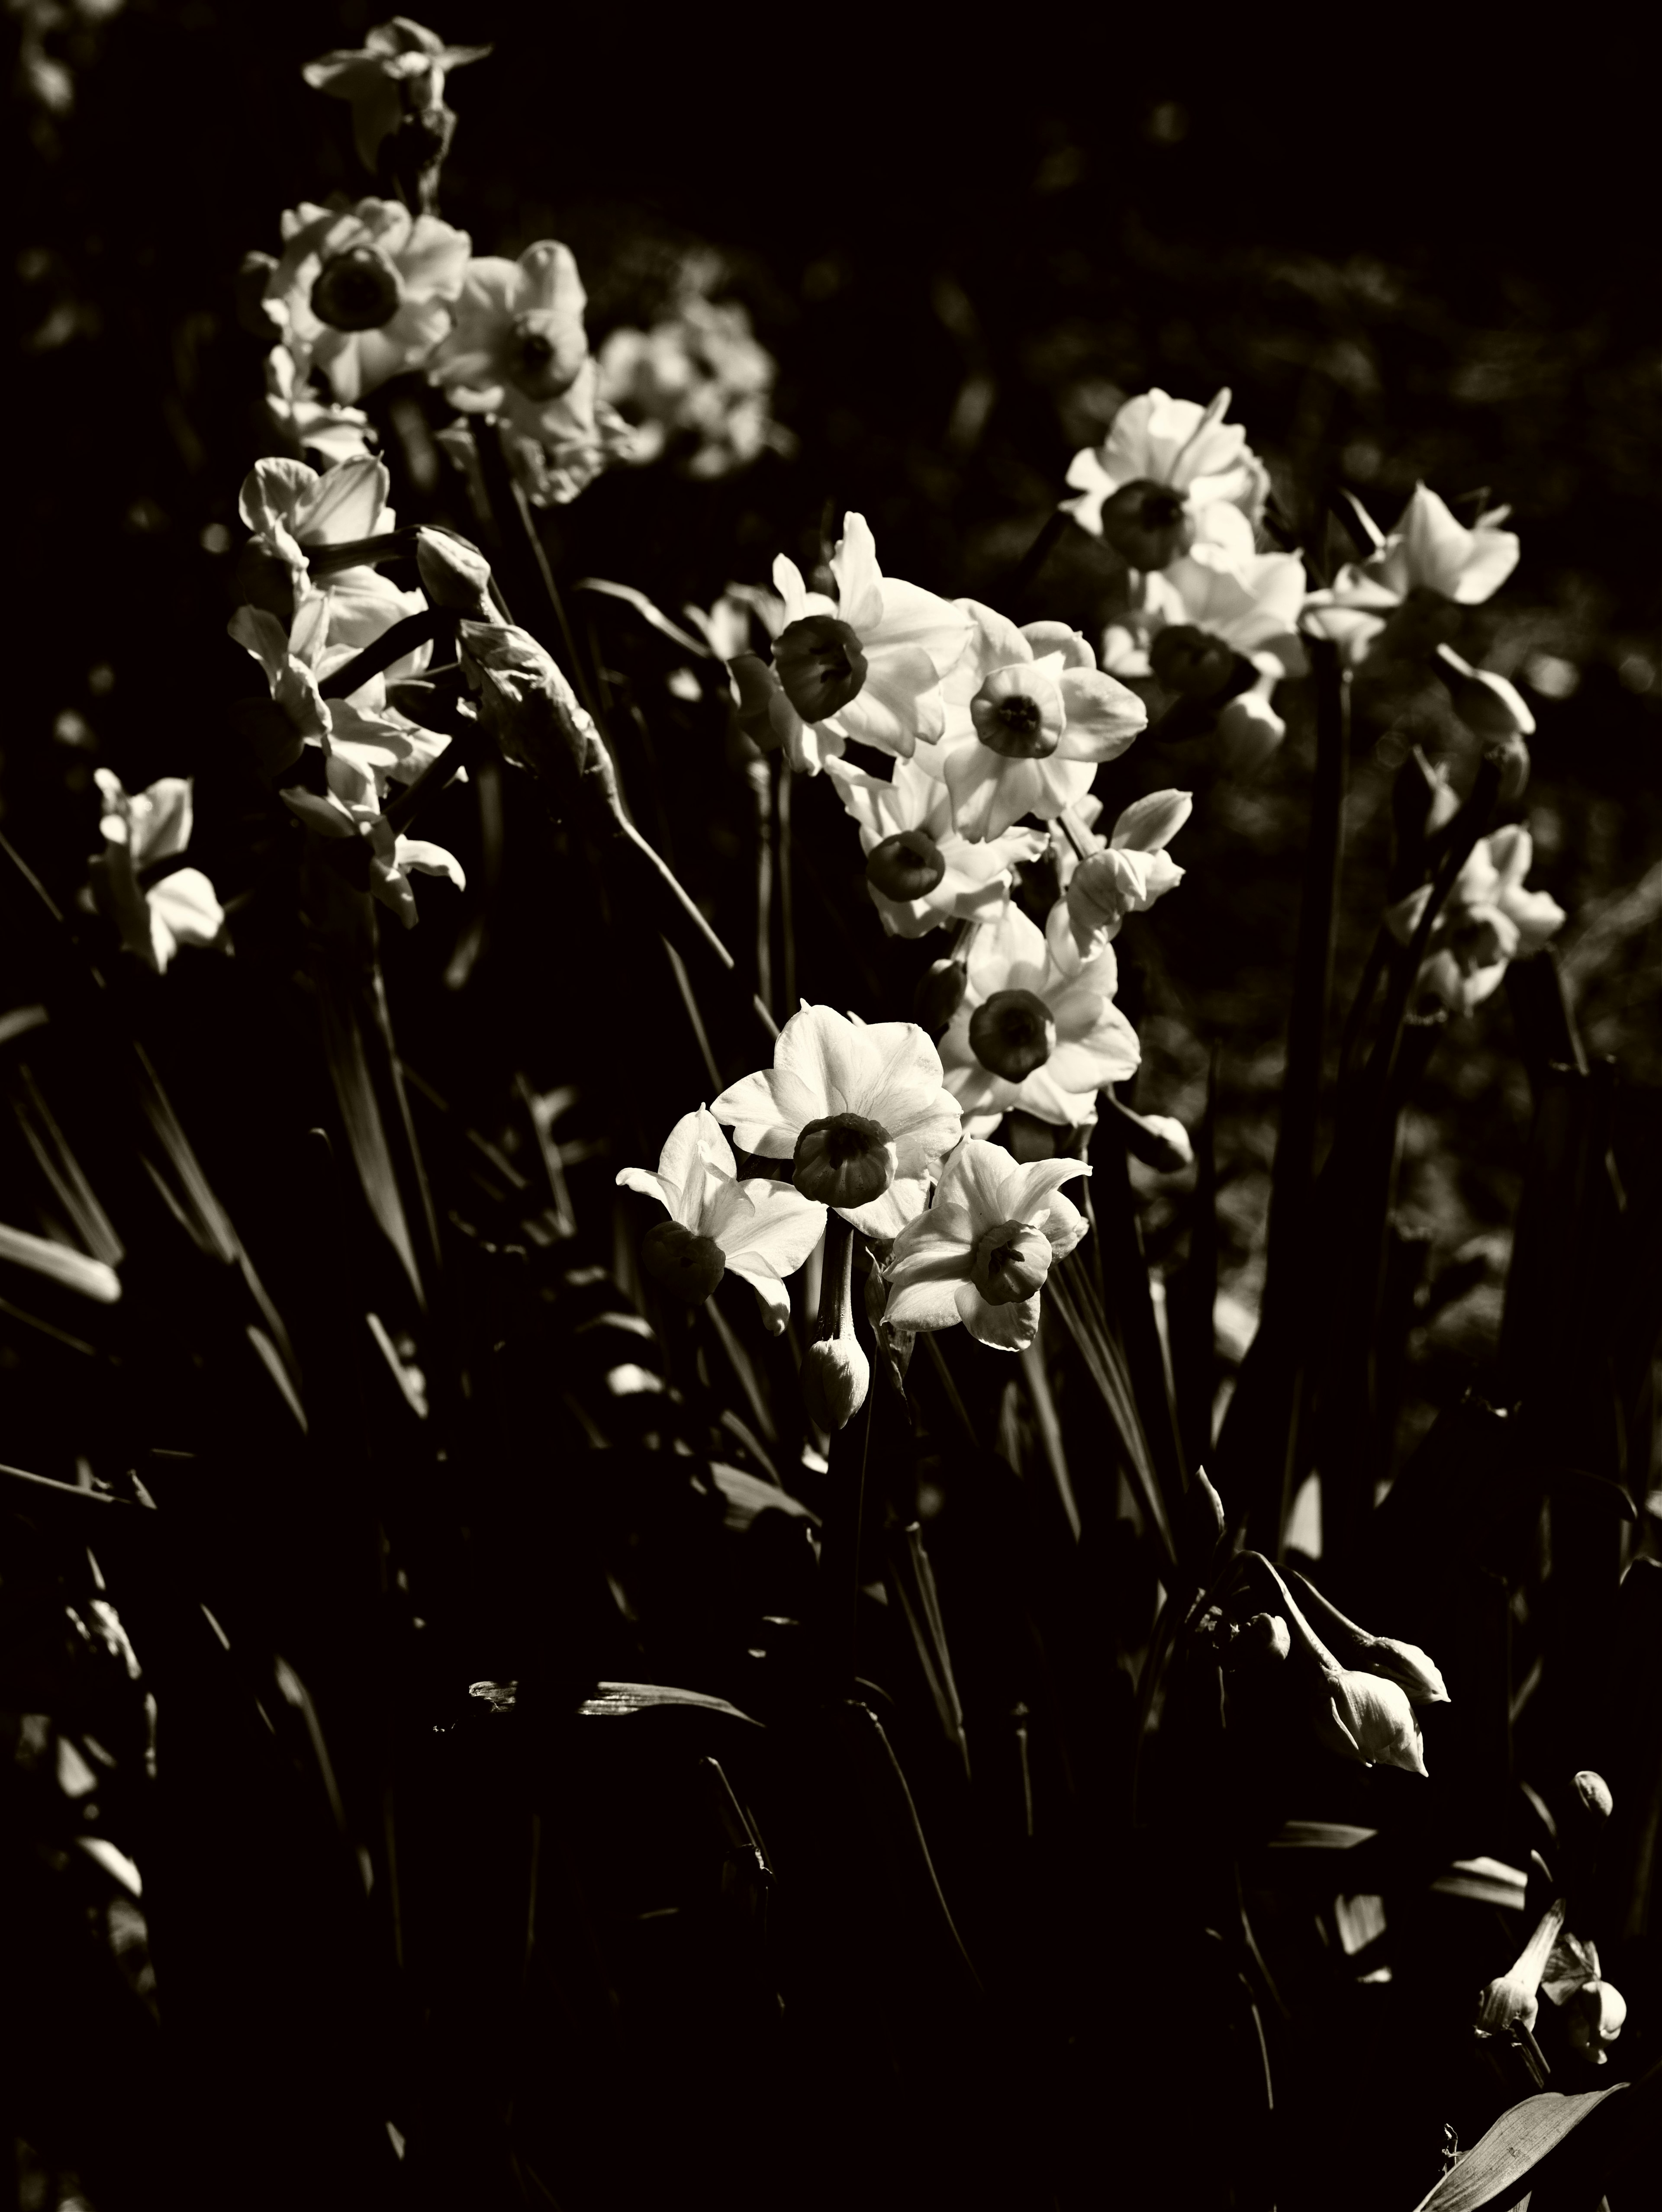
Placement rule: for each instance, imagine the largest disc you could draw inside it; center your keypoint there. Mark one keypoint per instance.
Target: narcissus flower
(1029, 719)
(920, 872)
(698, 381)
(1428, 565)
(1029, 1035)
(1489, 919)
(400, 67)
(291, 510)
(858, 1109)
(555, 451)
(361, 293)
(1593, 2018)
(304, 419)
(519, 340)
(139, 831)
(867, 664)
(1125, 875)
(981, 1252)
(1514, 1998)
(1219, 632)
(1169, 474)
(760, 1229)
(392, 858)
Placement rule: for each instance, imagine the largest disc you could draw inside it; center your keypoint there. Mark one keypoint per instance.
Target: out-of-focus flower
(399, 69)
(361, 293)
(291, 510)
(866, 664)
(1487, 920)
(1030, 1035)
(760, 1229)
(1428, 565)
(1219, 632)
(139, 831)
(1170, 474)
(1124, 876)
(920, 872)
(308, 422)
(981, 1252)
(1028, 719)
(1413, 1670)
(1490, 707)
(574, 439)
(1593, 2018)
(1514, 1998)
(518, 341)
(859, 1110)
(699, 375)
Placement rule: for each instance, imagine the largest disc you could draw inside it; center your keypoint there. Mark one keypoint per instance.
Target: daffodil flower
(364, 730)
(555, 451)
(920, 872)
(699, 374)
(518, 341)
(401, 66)
(306, 421)
(1488, 919)
(1029, 719)
(291, 509)
(867, 664)
(139, 831)
(1125, 875)
(981, 1254)
(1030, 1033)
(350, 808)
(760, 1229)
(1429, 565)
(1514, 1998)
(1219, 631)
(361, 293)
(1169, 474)
(858, 1109)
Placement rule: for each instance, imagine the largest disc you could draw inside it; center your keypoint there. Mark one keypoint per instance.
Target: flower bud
(1148, 524)
(1158, 1141)
(454, 574)
(688, 1264)
(1205, 1515)
(1593, 1794)
(906, 866)
(1192, 662)
(1010, 1262)
(1514, 1998)
(1249, 729)
(843, 1160)
(1488, 705)
(820, 664)
(1594, 2019)
(1362, 1717)
(939, 995)
(836, 1376)
(1268, 1635)
(1013, 1033)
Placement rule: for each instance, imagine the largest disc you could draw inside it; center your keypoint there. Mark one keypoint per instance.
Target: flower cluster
(698, 382)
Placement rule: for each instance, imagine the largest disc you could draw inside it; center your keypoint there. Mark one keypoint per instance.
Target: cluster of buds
(1368, 1686)
(1558, 1964)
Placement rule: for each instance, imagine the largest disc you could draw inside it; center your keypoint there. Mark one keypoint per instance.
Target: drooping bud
(1267, 1634)
(357, 290)
(688, 1264)
(906, 866)
(843, 1160)
(939, 995)
(820, 664)
(1010, 1262)
(1363, 1717)
(1249, 731)
(1148, 524)
(1593, 2018)
(1488, 705)
(454, 574)
(1405, 1664)
(836, 1376)
(1192, 662)
(1158, 1141)
(1012, 1033)
(1514, 1997)
(1593, 1794)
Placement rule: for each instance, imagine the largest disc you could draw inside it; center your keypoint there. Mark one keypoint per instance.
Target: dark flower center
(905, 866)
(357, 290)
(1013, 1033)
(820, 664)
(845, 1159)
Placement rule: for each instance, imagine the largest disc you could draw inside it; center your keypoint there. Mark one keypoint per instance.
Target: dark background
(1409, 257)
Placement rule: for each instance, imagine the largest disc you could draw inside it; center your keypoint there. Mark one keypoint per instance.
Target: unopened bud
(1249, 730)
(688, 1264)
(1593, 2018)
(836, 1376)
(1488, 705)
(1206, 1517)
(1148, 524)
(1593, 1793)
(1268, 1635)
(1157, 1140)
(454, 574)
(939, 995)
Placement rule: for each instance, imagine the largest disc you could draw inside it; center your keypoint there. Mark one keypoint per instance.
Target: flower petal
(1005, 1328)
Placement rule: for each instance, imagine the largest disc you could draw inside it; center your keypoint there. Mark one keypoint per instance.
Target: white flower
(400, 65)
(1488, 919)
(1169, 474)
(866, 664)
(1030, 1033)
(139, 831)
(519, 340)
(293, 511)
(1365, 1717)
(858, 1108)
(763, 1230)
(981, 1252)
(920, 872)
(702, 374)
(1028, 719)
(309, 422)
(363, 731)
(1429, 564)
(1125, 876)
(350, 808)
(363, 292)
